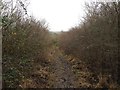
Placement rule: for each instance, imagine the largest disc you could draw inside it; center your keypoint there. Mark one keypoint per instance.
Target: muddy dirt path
(62, 70)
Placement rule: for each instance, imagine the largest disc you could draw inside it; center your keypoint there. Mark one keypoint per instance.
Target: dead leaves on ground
(37, 79)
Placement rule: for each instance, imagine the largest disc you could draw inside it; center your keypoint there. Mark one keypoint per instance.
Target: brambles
(25, 41)
(95, 41)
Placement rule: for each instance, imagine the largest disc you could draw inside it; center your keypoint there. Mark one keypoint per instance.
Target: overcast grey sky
(59, 14)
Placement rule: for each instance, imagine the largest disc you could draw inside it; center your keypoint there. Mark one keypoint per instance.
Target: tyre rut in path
(64, 77)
